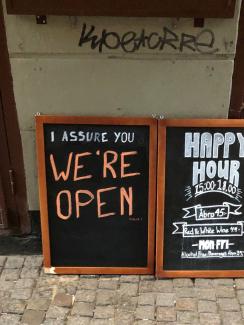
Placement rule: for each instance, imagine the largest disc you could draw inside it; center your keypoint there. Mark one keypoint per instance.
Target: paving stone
(228, 304)
(102, 322)
(187, 292)
(51, 321)
(69, 278)
(10, 274)
(88, 283)
(182, 282)
(21, 294)
(4, 295)
(205, 294)
(168, 323)
(68, 289)
(114, 277)
(104, 312)
(108, 284)
(205, 306)
(46, 281)
(67, 281)
(24, 284)
(39, 304)
(210, 319)
(239, 283)
(146, 299)
(225, 292)
(187, 304)
(33, 317)
(44, 292)
(147, 277)
(187, 317)
(14, 262)
(223, 282)
(129, 278)
(91, 276)
(30, 273)
(204, 283)
(128, 289)
(233, 322)
(114, 300)
(9, 319)
(33, 261)
(163, 286)
(85, 295)
(127, 303)
(14, 306)
(82, 309)
(240, 296)
(63, 300)
(105, 297)
(146, 286)
(165, 299)
(145, 312)
(6, 285)
(144, 322)
(76, 320)
(166, 314)
(2, 302)
(57, 312)
(230, 318)
(242, 311)
(124, 318)
(2, 260)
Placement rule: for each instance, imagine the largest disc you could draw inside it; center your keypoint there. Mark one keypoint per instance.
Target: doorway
(14, 217)
(237, 94)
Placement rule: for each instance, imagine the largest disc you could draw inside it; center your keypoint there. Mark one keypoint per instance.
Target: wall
(173, 69)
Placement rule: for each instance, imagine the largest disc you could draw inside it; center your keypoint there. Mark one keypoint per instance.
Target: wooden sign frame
(162, 134)
(133, 121)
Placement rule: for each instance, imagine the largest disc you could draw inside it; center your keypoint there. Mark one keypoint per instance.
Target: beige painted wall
(53, 75)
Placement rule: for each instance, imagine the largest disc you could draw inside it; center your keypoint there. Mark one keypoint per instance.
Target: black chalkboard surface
(200, 198)
(97, 190)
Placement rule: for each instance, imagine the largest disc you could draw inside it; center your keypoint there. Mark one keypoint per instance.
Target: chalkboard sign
(97, 194)
(200, 227)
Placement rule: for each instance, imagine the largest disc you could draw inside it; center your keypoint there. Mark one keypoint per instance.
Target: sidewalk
(28, 296)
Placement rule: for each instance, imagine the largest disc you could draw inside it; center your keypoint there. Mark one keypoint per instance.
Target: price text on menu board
(97, 193)
(204, 222)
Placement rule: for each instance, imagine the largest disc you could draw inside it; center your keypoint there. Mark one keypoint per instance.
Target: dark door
(3, 163)
(237, 95)
(7, 204)
(13, 201)
(3, 210)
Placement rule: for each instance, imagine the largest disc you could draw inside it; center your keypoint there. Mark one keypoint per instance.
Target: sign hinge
(11, 179)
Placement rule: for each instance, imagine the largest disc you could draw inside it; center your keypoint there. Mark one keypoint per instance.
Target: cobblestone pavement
(28, 296)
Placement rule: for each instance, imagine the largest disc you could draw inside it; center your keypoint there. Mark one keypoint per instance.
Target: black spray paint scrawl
(131, 41)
